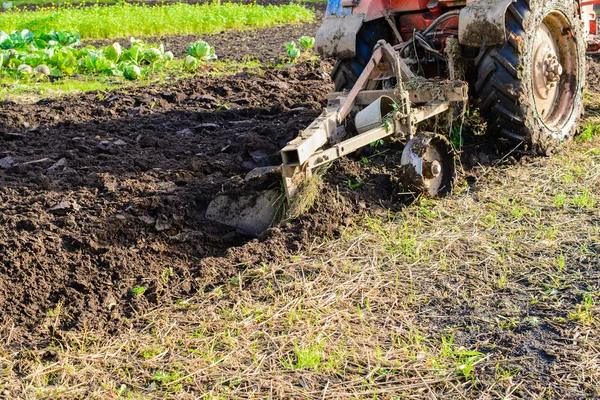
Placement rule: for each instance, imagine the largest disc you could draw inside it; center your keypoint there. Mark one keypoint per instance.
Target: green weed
(584, 200)
(583, 313)
(307, 356)
(560, 199)
(464, 360)
(590, 130)
(137, 291)
(354, 186)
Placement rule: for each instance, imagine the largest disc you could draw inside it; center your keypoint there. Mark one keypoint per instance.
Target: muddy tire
(531, 88)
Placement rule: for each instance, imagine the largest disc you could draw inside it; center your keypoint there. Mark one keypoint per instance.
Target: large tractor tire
(346, 71)
(531, 88)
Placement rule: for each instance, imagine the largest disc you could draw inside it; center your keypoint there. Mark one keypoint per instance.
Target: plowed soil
(100, 192)
(107, 192)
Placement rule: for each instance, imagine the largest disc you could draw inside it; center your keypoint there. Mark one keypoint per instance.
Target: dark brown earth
(105, 193)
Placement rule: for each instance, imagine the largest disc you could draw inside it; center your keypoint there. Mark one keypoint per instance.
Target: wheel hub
(432, 169)
(553, 70)
(547, 71)
(427, 165)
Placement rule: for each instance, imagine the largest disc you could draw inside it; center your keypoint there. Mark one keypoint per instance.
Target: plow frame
(321, 142)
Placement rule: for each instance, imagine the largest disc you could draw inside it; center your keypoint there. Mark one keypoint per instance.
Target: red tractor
(525, 58)
(523, 62)
(401, 62)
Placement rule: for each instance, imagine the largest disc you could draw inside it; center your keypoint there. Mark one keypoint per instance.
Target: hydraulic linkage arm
(321, 142)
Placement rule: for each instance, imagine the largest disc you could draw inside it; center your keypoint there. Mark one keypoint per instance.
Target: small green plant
(354, 186)
(172, 380)
(292, 51)
(191, 63)
(307, 356)
(456, 137)
(376, 143)
(306, 42)
(502, 281)
(584, 200)
(561, 262)
(465, 360)
(138, 291)
(166, 274)
(388, 124)
(583, 313)
(560, 199)
(590, 130)
(113, 52)
(150, 352)
(202, 51)
(132, 72)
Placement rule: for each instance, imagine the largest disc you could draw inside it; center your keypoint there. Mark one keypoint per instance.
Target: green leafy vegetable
(292, 51)
(96, 62)
(132, 72)
(190, 63)
(24, 69)
(42, 70)
(113, 52)
(306, 42)
(202, 51)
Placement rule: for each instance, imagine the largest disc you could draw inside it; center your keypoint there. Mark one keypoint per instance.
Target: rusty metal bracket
(321, 143)
(483, 22)
(392, 25)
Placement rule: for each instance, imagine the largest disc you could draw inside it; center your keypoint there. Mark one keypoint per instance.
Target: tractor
(521, 63)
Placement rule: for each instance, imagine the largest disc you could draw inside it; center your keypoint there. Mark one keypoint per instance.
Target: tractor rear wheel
(531, 88)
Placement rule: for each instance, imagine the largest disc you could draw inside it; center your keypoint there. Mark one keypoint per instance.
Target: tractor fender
(483, 22)
(337, 35)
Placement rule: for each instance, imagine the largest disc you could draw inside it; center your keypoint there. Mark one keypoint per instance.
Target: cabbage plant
(113, 52)
(306, 42)
(292, 51)
(96, 62)
(24, 69)
(191, 63)
(202, 51)
(42, 70)
(132, 72)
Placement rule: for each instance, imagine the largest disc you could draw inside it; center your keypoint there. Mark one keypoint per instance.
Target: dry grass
(307, 195)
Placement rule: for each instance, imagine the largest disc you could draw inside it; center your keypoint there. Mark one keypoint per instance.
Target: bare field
(114, 285)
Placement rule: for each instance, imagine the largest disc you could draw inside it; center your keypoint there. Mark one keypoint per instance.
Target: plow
(403, 63)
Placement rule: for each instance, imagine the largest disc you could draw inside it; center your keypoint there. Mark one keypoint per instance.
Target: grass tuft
(307, 195)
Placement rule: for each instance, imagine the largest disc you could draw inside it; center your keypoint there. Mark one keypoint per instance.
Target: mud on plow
(354, 119)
